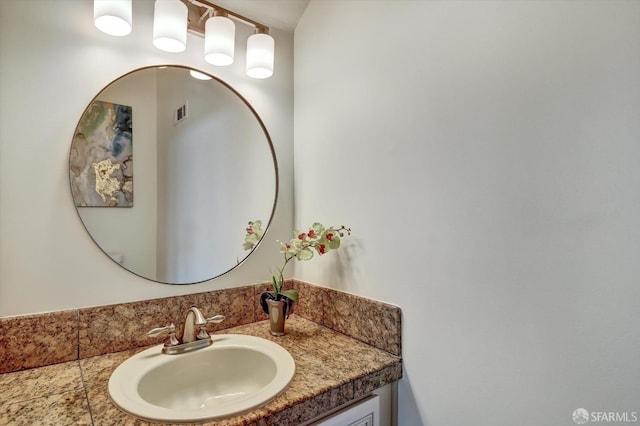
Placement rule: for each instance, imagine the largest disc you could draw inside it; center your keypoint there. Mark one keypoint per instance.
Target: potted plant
(278, 303)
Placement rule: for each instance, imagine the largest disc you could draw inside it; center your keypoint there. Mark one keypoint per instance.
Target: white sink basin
(235, 374)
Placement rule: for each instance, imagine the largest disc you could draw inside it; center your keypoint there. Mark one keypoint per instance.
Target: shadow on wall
(345, 265)
(408, 412)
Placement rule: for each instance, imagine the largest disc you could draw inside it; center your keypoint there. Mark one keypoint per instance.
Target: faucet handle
(215, 320)
(202, 334)
(158, 331)
(171, 329)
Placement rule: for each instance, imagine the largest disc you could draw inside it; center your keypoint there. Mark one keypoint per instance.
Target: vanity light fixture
(260, 48)
(219, 39)
(170, 25)
(173, 18)
(112, 16)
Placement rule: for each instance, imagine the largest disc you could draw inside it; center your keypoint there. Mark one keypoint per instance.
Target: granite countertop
(331, 369)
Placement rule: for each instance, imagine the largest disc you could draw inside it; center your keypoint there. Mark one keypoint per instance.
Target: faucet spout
(194, 319)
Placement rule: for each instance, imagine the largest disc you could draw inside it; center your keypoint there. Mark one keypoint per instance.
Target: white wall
(486, 155)
(52, 63)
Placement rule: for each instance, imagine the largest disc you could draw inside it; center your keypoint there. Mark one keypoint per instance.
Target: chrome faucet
(191, 339)
(194, 318)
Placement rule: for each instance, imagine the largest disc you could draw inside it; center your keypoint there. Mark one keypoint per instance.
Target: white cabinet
(363, 413)
(377, 409)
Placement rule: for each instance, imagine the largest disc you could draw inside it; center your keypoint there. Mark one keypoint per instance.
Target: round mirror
(166, 170)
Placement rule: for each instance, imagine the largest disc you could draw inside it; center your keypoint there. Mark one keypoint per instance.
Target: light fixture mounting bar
(199, 9)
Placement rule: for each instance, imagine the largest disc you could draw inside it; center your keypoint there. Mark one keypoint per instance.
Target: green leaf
(291, 294)
(275, 284)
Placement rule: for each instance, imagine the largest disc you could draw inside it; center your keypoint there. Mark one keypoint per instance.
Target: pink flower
(312, 233)
(329, 236)
(322, 249)
(302, 236)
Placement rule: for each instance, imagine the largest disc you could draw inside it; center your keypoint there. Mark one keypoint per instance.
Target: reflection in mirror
(167, 170)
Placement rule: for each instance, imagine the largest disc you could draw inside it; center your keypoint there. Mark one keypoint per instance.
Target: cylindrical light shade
(260, 51)
(219, 40)
(112, 16)
(170, 25)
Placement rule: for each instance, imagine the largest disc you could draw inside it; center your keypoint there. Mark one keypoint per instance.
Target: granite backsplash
(38, 340)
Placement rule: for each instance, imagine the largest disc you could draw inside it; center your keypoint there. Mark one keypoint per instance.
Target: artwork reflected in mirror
(101, 159)
(204, 166)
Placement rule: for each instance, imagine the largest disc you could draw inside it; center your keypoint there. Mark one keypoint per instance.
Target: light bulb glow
(260, 52)
(113, 17)
(219, 40)
(199, 75)
(170, 25)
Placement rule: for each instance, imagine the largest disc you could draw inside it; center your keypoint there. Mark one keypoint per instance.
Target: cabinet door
(365, 421)
(363, 413)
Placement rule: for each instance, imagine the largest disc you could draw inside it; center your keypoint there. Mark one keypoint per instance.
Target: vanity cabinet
(363, 413)
(376, 409)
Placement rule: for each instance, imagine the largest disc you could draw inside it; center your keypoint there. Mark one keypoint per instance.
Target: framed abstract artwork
(101, 159)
